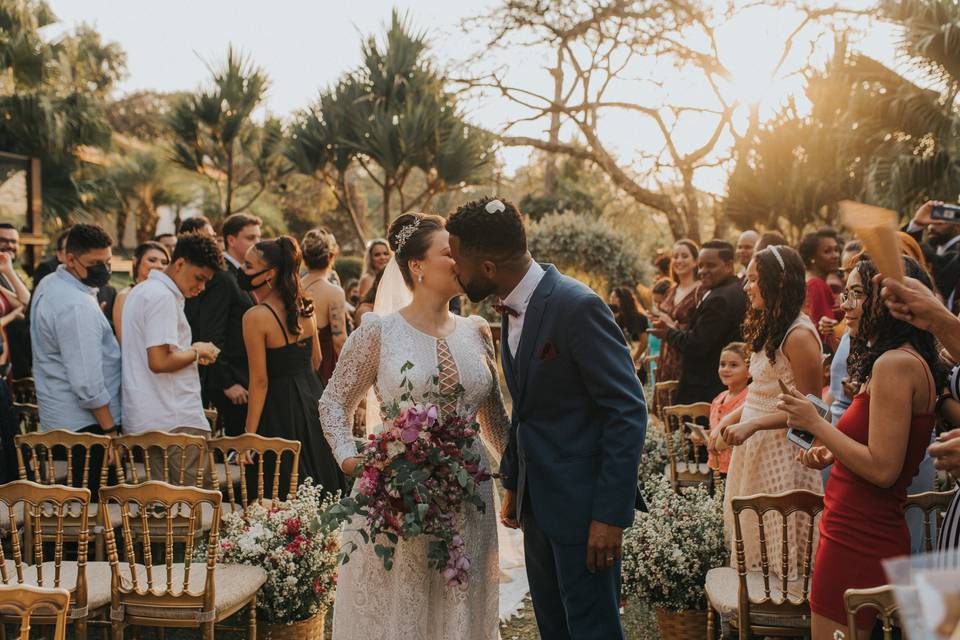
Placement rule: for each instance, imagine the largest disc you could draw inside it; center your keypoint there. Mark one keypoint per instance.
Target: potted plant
(668, 552)
(299, 554)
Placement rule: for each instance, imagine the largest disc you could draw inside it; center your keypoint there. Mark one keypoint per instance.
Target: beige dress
(412, 601)
(766, 463)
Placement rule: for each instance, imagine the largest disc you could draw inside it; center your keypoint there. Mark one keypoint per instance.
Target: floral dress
(412, 601)
(670, 364)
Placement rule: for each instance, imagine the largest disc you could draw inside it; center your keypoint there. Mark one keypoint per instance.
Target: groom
(579, 419)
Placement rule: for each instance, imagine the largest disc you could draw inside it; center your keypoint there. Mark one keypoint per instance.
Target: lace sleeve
(492, 414)
(356, 372)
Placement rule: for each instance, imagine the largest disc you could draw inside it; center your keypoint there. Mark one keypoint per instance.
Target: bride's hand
(350, 465)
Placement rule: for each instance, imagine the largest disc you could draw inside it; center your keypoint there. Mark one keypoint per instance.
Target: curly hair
(199, 250)
(84, 238)
(879, 331)
(810, 242)
(496, 231)
(784, 290)
(283, 254)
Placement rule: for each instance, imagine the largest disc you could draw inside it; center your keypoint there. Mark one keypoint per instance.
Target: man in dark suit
(942, 249)
(216, 315)
(578, 425)
(716, 323)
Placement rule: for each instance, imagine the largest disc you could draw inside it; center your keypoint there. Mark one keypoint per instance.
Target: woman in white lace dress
(786, 346)
(412, 601)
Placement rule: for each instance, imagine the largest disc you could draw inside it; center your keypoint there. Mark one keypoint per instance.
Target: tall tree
(214, 135)
(393, 117)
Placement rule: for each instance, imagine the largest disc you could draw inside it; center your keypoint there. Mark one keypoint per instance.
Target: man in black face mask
(76, 358)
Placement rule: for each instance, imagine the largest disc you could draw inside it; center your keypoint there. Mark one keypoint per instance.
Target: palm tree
(392, 117)
(213, 135)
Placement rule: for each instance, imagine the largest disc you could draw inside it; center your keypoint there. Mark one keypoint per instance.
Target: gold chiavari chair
(664, 395)
(25, 601)
(24, 394)
(89, 583)
(879, 598)
(167, 593)
(79, 460)
(934, 505)
(762, 602)
(174, 458)
(685, 454)
(271, 474)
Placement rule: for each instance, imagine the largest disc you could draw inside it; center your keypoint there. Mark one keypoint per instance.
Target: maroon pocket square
(549, 352)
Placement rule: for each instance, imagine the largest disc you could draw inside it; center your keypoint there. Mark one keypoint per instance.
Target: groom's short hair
(489, 226)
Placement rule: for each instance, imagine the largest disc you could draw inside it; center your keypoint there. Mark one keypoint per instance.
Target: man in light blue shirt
(76, 358)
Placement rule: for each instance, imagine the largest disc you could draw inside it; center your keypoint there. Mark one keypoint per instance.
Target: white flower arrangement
(296, 550)
(669, 550)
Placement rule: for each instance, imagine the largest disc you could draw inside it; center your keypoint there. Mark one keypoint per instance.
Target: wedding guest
(216, 316)
(632, 320)
(658, 293)
(76, 358)
(715, 322)
(376, 260)
(106, 295)
(169, 240)
(147, 257)
(943, 247)
(661, 262)
(679, 304)
(284, 355)
(352, 295)
(769, 238)
(786, 347)
(329, 302)
(366, 302)
(14, 298)
(49, 264)
(745, 246)
(820, 251)
(734, 373)
(876, 449)
(161, 381)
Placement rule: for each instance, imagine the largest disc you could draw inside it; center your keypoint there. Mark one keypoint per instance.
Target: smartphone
(946, 212)
(800, 438)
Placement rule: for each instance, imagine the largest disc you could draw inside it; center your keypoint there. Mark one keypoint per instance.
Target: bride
(412, 601)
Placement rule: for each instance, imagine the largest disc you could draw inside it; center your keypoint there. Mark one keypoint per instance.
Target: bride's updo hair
(410, 236)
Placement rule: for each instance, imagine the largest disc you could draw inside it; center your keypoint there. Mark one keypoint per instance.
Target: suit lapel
(509, 369)
(532, 320)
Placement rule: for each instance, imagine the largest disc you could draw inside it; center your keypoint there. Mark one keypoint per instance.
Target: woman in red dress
(876, 449)
(820, 251)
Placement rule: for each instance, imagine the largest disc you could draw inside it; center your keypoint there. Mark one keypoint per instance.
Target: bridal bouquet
(294, 545)
(415, 478)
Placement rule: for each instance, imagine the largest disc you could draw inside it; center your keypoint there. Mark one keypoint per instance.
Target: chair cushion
(693, 468)
(723, 588)
(98, 579)
(5, 518)
(234, 584)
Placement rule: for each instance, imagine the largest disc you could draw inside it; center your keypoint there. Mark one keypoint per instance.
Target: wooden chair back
(181, 458)
(236, 479)
(39, 457)
(684, 454)
(24, 394)
(137, 579)
(788, 606)
(664, 395)
(879, 598)
(25, 601)
(934, 505)
(26, 505)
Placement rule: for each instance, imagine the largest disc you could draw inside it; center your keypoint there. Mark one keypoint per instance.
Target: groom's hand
(508, 510)
(604, 546)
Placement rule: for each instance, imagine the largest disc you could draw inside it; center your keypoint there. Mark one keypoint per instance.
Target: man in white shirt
(161, 383)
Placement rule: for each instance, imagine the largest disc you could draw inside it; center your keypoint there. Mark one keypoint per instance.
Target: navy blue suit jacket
(579, 416)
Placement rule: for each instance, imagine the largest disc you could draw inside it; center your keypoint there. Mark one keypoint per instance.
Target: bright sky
(306, 44)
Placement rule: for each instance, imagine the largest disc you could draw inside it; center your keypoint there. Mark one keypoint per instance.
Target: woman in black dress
(283, 353)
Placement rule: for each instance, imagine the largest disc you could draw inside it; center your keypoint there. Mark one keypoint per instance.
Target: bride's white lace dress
(412, 601)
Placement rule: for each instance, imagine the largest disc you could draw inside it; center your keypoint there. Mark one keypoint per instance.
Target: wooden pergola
(32, 237)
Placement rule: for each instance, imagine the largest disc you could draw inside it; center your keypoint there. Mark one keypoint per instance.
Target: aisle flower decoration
(415, 479)
(295, 546)
(669, 550)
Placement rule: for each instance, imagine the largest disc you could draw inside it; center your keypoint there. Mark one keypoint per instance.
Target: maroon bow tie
(503, 309)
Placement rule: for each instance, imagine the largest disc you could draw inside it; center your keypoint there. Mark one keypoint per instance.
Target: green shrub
(348, 268)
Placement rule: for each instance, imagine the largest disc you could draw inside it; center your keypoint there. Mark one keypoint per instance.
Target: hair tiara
(776, 254)
(406, 233)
